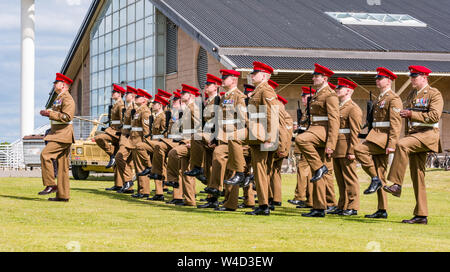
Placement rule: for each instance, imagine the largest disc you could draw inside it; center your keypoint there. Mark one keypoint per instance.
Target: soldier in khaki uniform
(231, 104)
(276, 160)
(304, 189)
(318, 143)
(343, 157)
(109, 141)
(140, 128)
(201, 152)
(381, 140)
(59, 141)
(190, 122)
(422, 137)
(263, 106)
(123, 157)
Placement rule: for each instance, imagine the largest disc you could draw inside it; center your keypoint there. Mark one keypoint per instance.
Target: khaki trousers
(123, 166)
(374, 162)
(188, 183)
(219, 166)
(108, 143)
(275, 178)
(60, 153)
(313, 149)
(259, 165)
(347, 181)
(174, 172)
(304, 189)
(412, 150)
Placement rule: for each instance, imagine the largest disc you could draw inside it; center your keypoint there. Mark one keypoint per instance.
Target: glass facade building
(127, 45)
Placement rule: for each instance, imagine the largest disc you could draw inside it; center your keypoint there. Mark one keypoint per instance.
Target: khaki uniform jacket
(386, 109)
(233, 119)
(159, 126)
(116, 119)
(325, 104)
(190, 122)
(431, 99)
(286, 132)
(350, 127)
(209, 119)
(126, 128)
(61, 115)
(264, 95)
(140, 125)
(174, 130)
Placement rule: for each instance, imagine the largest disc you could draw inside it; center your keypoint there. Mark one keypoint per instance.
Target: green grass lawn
(96, 220)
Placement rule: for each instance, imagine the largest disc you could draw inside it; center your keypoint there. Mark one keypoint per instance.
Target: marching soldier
(262, 140)
(60, 139)
(321, 135)
(343, 157)
(139, 128)
(123, 156)
(304, 189)
(373, 154)
(109, 141)
(284, 145)
(422, 136)
(200, 148)
(230, 152)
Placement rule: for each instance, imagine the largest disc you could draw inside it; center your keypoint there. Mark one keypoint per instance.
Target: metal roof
(340, 65)
(303, 24)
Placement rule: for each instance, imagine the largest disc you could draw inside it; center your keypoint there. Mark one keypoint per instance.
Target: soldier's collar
(156, 115)
(211, 98)
(426, 86)
(383, 93)
(341, 104)
(230, 91)
(321, 88)
(261, 83)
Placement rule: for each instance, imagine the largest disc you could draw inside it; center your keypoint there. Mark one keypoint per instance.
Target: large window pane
(140, 84)
(101, 28)
(115, 39)
(108, 42)
(94, 100)
(115, 4)
(123, 73)
(148, 67)
(94, 47)
(108, 24)
(123, 3)
(131, 13)
(101, 44)
(108, 97)
(139, 10)
(149, 47)
(139, 69)
(123, 17)
(160, 65)
(115, 57)
(131, 32)
(101, 96)
(115, 75)
(130, 71)
(108, 59)
(123, 36)
(161, 46)
(130, 52)
(101, 79)
(139, 29)
(148, 8)
(140, 49)
(148, 26)
(109, 10)
(115, 20)
(94, 81)
(101, 62)
(123, 54)
(94, 64)
(148, 83)
(108, 79)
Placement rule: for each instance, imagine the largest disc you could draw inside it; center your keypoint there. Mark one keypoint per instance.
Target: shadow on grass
(25, 198)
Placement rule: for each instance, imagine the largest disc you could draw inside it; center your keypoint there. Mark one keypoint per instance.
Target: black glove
(103, 129)
(118, 133)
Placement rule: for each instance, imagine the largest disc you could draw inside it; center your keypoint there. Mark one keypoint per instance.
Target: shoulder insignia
(396, 109)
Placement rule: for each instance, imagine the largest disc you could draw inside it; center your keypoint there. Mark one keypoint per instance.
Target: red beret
(197, 94)
(160, 99)
(131, 90)
(164, 93)
(332, 86)
(230, 73)
(384, 72)
(249, 88)
(272, 84)
(119, 89)
(322, 70)
(221, 93)
(282, 99)
(261, 67)
(211, 79)
(305, 91)
(343, 82)
(143, 93)
(189, 89)
(177, 94)
(416, 70)
(63, 78)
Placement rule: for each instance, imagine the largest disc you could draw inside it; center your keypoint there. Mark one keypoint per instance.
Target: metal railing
(11, 155)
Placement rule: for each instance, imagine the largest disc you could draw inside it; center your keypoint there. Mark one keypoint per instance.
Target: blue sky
(57, 22)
